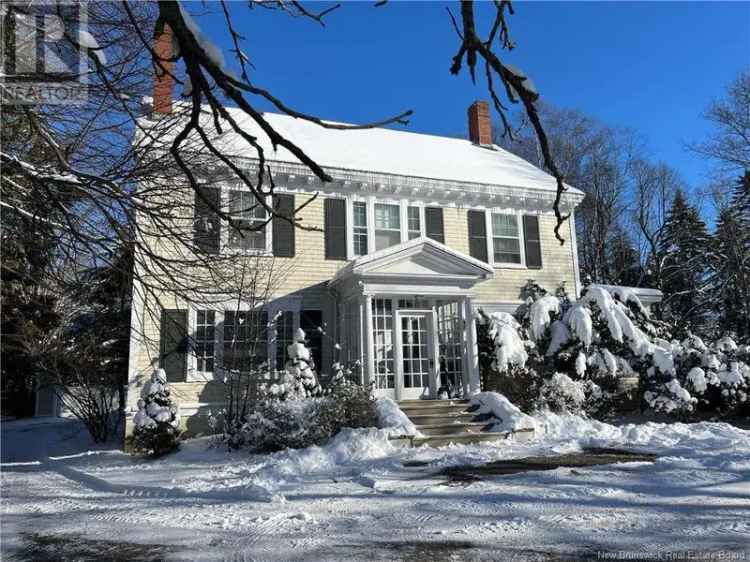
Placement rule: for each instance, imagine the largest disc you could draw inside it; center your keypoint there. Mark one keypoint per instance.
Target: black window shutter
(283, 230)
(206, 223)
(433, 218)
(174, 344)
(532, 243)
(335, 229)
(477, 235)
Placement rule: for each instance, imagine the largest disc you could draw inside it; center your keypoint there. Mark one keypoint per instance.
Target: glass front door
(416, 357)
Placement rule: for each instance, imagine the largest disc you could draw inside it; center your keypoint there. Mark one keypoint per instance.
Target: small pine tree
(157, 421)
(300, 368)
(685, 257)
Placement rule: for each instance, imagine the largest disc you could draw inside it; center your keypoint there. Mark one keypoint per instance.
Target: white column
(472, 350)
(369, 364)
(435, 359)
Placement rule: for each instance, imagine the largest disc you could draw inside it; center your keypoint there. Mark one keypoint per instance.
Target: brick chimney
(163, 82)
(480, 127)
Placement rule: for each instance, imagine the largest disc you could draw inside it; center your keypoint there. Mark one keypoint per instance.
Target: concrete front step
(436, 411)
(458, 438)
(451, 428)
(430, 403)
(441, 418)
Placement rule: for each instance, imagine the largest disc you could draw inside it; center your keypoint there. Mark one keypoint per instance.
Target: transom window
(506, 241)
(249, 218)
(387, 226)
(359, 211)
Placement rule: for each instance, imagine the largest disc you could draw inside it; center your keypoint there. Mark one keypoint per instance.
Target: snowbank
(511, 418)
(392, 418)
(672, 438)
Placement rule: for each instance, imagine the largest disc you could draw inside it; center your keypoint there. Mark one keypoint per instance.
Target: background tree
(597, 160)
(729, 144)
(684, 252)
(730, 280)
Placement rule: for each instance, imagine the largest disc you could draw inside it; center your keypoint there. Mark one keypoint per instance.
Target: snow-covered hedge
(297, 412)
(570, 356)
(298, 422)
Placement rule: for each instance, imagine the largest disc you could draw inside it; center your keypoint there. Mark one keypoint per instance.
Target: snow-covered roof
(391, 151)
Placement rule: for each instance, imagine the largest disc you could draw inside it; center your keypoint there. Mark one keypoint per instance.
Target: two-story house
(415, 233)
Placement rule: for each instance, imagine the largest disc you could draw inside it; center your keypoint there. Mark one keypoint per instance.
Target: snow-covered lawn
(355, 500)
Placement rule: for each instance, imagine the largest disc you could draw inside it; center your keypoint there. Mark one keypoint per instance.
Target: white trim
(352, 180)
(574, 247)
(369, 362)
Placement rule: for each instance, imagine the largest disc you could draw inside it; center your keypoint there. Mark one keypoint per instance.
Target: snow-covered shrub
(300, 378)
(562, 394)
(288, 415)
(709, 378)
(507, 360)
(502, 413)
(156, 423)
(570, 356)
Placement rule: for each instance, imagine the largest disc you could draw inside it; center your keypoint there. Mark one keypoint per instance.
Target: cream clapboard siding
(557, 261)
(305, 275)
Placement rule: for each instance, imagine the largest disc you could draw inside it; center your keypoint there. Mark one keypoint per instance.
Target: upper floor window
(387, 225)
(506, 240)
(359, 218)
(414, 222)
(249, 218)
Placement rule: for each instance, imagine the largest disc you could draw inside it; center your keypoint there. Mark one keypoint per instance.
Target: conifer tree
(685, 257)
(730, 280)
(157, 421)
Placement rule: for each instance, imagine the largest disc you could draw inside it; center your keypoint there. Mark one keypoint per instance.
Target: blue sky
(650, 66)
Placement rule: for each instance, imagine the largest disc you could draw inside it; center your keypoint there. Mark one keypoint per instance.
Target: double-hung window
(506, 240)
(249, 222)
(359, 215)
(245, 339)
(387, 225)
(205, 337)
(414, 223)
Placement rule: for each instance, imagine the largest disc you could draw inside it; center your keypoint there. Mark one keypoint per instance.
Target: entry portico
(406, 314)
